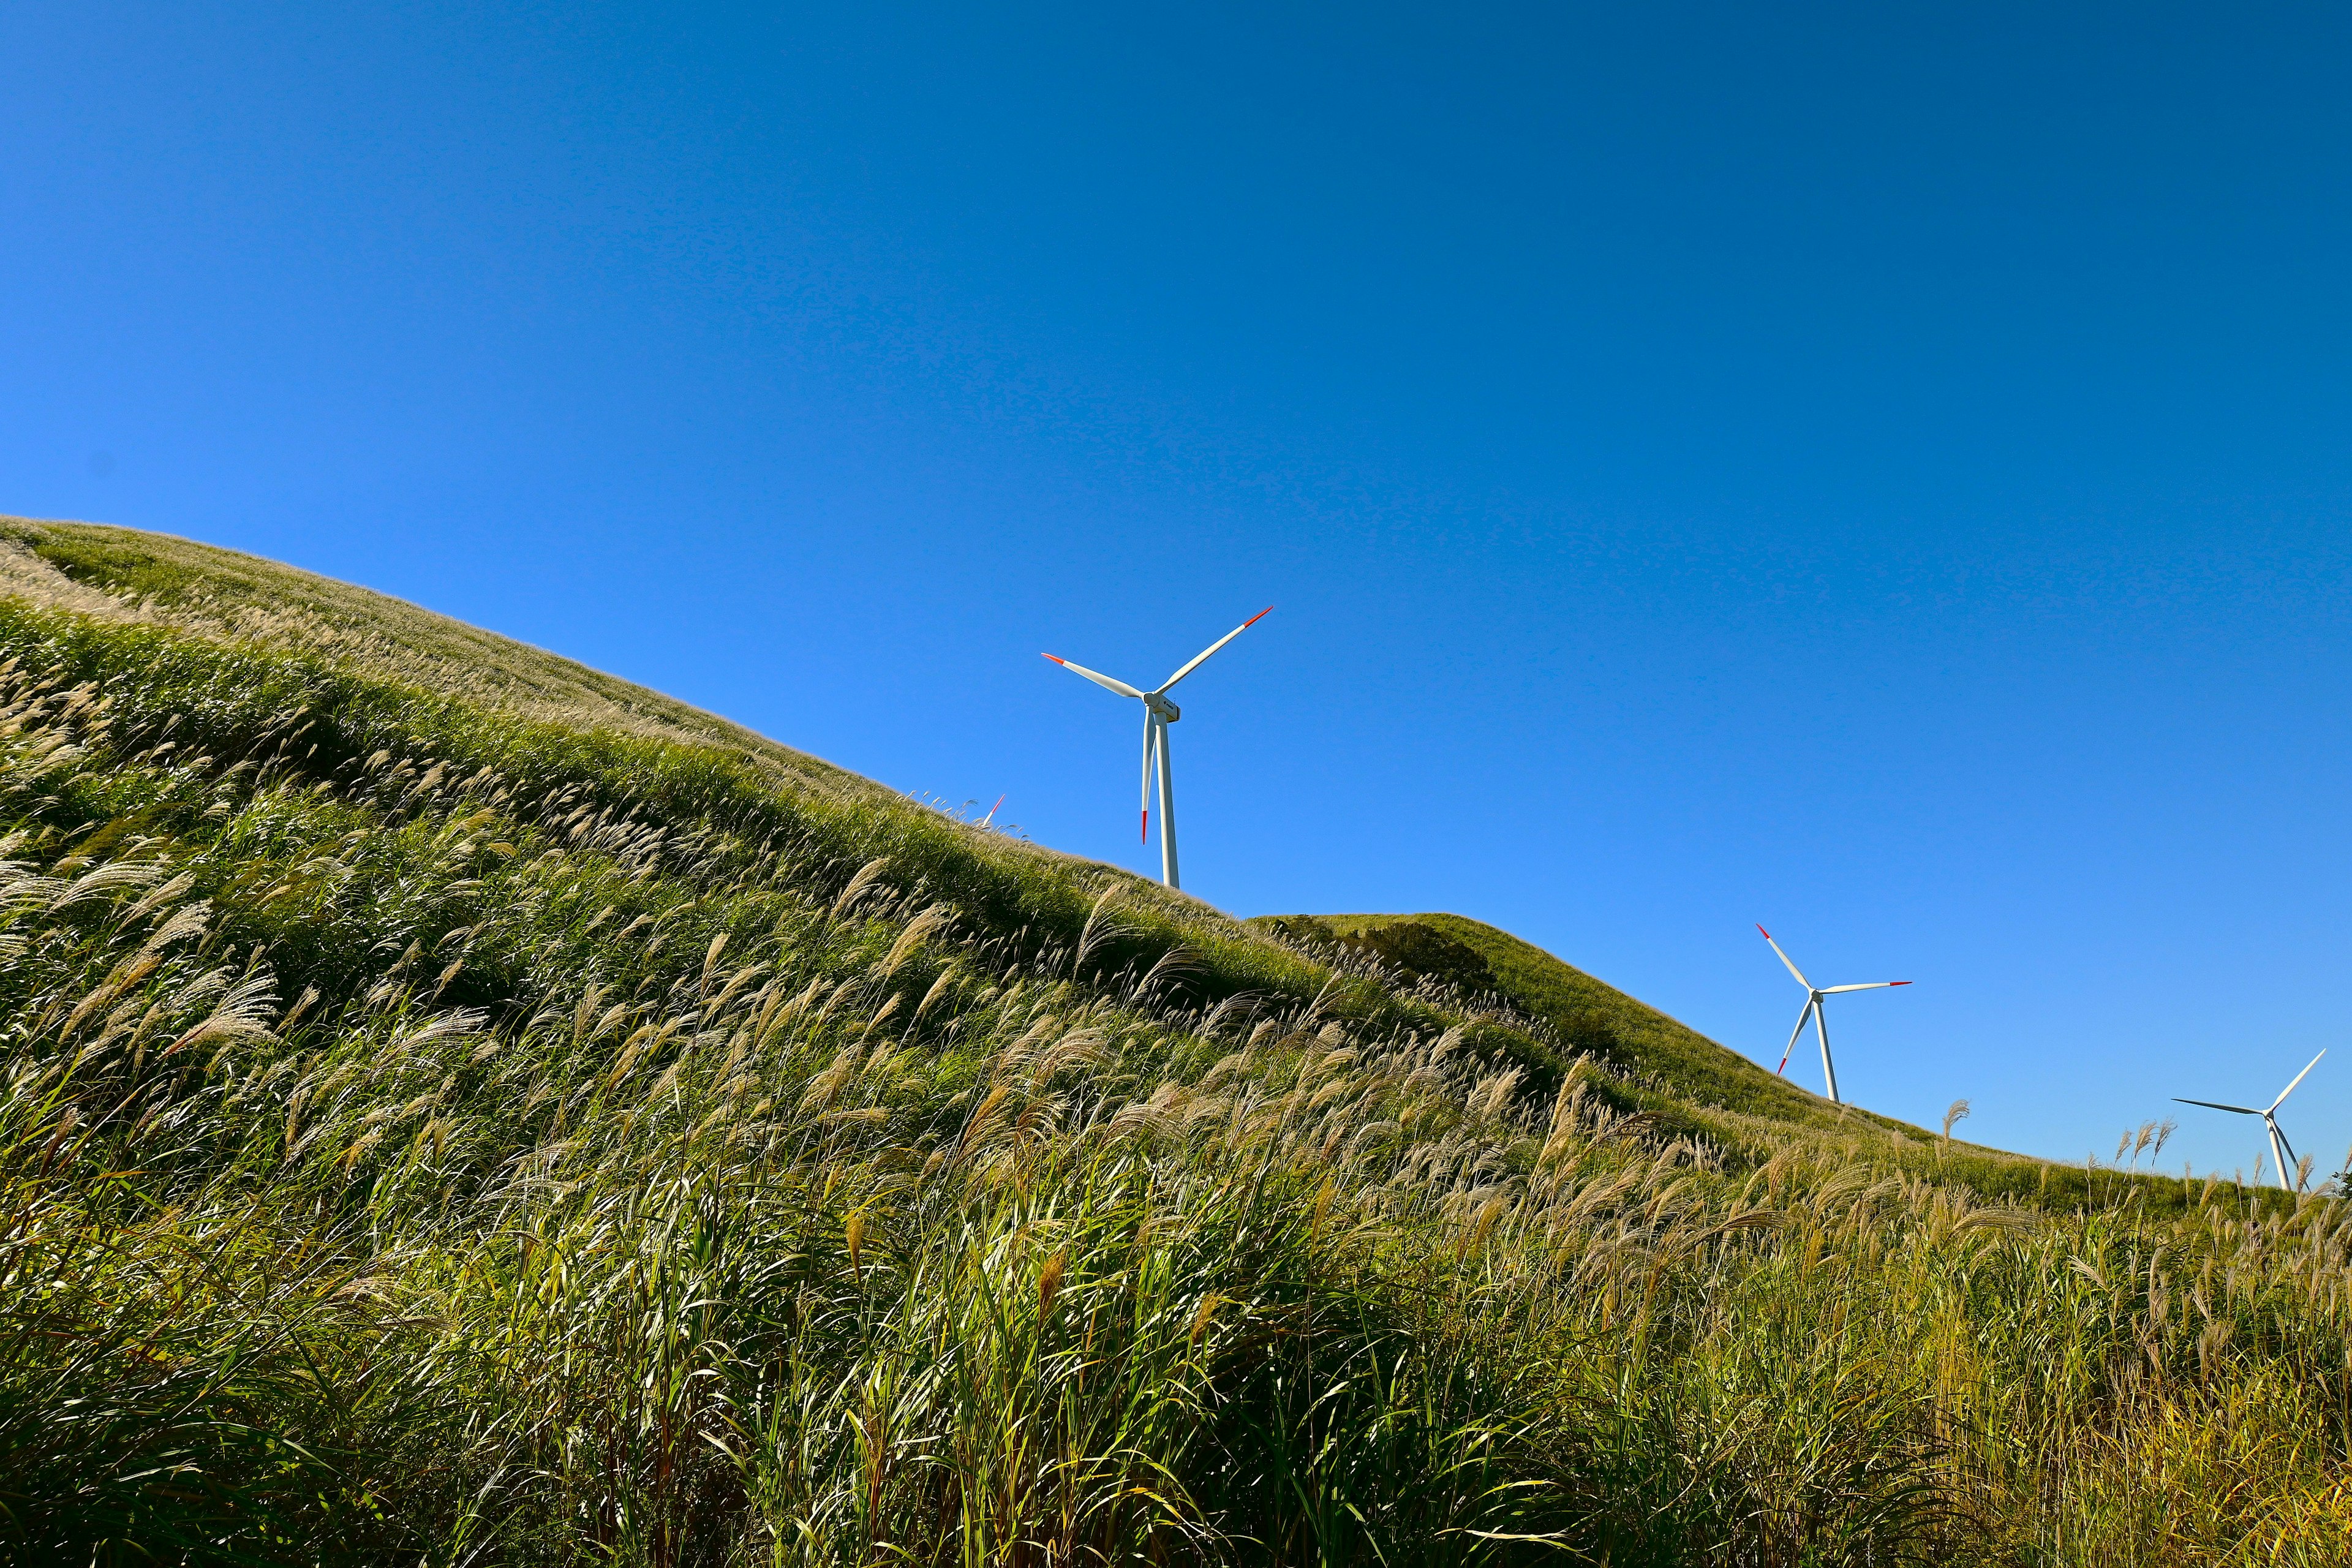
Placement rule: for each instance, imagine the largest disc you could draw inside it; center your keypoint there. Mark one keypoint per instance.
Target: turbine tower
(1812, 1009)
(1158, 714)
(2281, 1151)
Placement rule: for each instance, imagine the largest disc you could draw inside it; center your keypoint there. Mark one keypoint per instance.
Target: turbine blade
(2298, 1078)
(2216, 1105)
(1784, 958)
(1811, 1003)
(1203, 657)
(2279, 1133)
(1122, 687)
(1868, 986)
(1151, 734)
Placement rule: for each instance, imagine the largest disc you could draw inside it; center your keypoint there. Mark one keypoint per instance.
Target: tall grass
(428, 1136)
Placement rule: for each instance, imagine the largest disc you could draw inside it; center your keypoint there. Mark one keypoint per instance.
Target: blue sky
(1882, 472)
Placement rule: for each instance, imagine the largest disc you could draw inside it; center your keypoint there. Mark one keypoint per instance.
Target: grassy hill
(1482, 962)
(462, 1108)
(1672, 1071)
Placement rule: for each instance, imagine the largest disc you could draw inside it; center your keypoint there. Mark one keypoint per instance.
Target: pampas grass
(657, 1165)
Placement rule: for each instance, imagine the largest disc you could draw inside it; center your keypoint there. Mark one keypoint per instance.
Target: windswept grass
(435, 1131)
(1533, 1006)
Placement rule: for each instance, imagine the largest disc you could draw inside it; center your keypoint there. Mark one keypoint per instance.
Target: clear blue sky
(1879, 471)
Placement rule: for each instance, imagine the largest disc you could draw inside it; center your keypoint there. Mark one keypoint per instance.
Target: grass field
(462, 1109)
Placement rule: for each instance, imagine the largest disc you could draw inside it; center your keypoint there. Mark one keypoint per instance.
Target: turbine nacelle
(1167, 712)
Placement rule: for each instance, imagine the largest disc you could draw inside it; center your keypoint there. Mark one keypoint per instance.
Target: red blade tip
(1049, 656)
(1898, 983)
(1759, 930)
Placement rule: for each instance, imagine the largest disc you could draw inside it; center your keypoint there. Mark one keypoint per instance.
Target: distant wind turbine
(2281, 1151)
(1158, 714)
(1812, 1009)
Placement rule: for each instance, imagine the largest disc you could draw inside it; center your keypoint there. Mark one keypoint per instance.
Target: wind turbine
(1158, 714)
(2281, 1151)
(1812, 1009)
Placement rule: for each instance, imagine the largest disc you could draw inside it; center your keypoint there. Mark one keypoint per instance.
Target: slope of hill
(1591, 1014)
(1672, 1070)
(459, 1108)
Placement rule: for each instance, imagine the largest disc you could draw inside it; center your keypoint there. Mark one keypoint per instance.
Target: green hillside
(1666, 1067)
(462, 1108)
(1482, 962)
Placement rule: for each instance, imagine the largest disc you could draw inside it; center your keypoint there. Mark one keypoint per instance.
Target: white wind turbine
(1158, 714)
(1812, 1009)
(2281, 1151)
